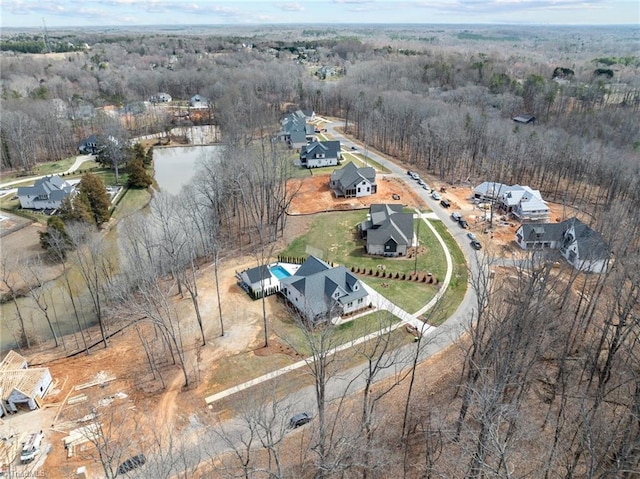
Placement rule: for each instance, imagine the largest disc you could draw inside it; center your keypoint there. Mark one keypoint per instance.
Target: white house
(320, 153)
(20, 384)
(584, 248)
(350, 181)
(523, 202)
(46, 193)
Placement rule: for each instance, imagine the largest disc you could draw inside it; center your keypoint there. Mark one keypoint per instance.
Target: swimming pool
(279, 272)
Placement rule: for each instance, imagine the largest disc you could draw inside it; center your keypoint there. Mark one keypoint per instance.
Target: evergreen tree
(76, 209)
(94, 194)
(138, 176)
(56, 240)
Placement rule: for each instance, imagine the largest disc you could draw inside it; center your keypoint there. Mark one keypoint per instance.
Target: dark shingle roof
(350, 175)
(258, 273)
(318, 282)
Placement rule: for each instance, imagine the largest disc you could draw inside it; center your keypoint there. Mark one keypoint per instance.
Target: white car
(435, 196)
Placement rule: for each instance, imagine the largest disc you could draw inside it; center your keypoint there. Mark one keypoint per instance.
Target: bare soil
(314, 195)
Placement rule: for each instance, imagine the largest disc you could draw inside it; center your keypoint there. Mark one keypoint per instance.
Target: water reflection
(176, 166)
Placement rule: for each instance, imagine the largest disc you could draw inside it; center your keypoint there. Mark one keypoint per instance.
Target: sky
(78, 13)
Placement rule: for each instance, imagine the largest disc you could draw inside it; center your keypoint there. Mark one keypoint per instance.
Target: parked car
(354, 148)
(476, 244)
(131, 464)
(455, 216)
(299, 420)
(445, 203)
(471, 236)
(425, 186)
(420, 182)
(435, 196)
(463, 223)
(395, 196)
(410, 173)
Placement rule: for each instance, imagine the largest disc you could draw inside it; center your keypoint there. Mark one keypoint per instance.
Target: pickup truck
(31, 447)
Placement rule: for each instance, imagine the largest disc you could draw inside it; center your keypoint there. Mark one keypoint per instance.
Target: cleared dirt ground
(314, 196)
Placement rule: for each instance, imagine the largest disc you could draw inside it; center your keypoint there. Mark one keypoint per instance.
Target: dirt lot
(314, 195)
(175, 407)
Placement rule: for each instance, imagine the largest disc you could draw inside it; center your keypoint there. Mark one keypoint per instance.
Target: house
(89, 146)
(584, 248)
(524, 119)
(320, 153)
(259, 279)
(294, 129)
(524, 203)
(198, 101)
(20, 384)
(160, 98)
(489, 190)
(319, 291)
(350, 181)
(46, 193)
(388, 231)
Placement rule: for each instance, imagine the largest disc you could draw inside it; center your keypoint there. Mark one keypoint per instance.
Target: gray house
(350, 181)
(89, 146)
(320, 292)
(46, 193)
(584, 248)
(294, 129)
(320, 153)
(388, 231)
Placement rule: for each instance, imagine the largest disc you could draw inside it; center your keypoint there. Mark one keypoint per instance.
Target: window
(358, 189)
(360, 300)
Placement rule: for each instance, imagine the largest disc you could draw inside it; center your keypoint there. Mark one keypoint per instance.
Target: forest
(548, 383)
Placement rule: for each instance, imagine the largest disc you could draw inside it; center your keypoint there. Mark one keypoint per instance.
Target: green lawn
(41, 169)
(334, 238)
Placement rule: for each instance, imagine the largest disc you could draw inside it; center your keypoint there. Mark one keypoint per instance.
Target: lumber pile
(79, 436)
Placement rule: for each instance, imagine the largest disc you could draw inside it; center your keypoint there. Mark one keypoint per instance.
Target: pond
(175, 166)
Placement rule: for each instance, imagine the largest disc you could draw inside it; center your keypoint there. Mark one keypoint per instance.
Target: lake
(175, 166)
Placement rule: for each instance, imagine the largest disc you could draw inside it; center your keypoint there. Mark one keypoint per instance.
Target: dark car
(463, 223)
(476, 244)
(445, 203)
(131, 463)
(299, 420)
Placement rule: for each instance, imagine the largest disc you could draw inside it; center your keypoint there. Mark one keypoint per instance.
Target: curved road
(351, 381)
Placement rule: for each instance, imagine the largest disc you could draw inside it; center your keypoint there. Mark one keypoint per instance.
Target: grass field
(334, 237)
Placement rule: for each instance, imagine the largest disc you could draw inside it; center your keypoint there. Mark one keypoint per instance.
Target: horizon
(32, 14)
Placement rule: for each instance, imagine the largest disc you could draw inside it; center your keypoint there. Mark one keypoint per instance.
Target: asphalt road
(352, 380)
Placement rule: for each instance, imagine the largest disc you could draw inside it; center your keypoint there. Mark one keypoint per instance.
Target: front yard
(334, 238)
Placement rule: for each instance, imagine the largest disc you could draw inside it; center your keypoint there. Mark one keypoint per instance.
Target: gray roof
(349, 175)
(52, 188)
(330, 149)
(318, 282)
(258, 273)
(388, 222)
(380, 212)
(298, 136)
(542, 232)
(591, 244)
